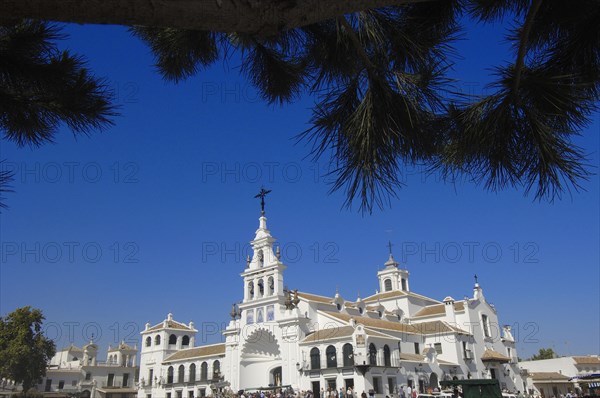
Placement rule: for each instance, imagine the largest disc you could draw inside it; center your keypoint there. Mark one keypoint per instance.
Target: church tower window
(387, 284)
(157, 339)
(251, 290)
(271, 283)
(148, 341)
(486, 326)
(172, 339)
(261, 288)
(185, 341)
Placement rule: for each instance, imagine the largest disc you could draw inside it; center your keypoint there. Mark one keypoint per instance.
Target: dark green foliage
(179, 53)
(543, 353)
(24, 350)
(6, 177)
(42, 87)
(383, 99)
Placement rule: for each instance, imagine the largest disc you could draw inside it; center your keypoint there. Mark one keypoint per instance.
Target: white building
(75, 371)
(279, 338)
(552, 377)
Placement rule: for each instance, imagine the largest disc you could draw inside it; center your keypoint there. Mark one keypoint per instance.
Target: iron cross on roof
(263, 192)
(389, 245)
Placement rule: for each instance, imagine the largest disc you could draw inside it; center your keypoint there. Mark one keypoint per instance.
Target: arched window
(387, 285)
(261, 288)
(192, 373)
(403, 284)
(180, 373)
(360, 310)
(157, 339)
(203, 371)
(170, 375)
(348, 354)
(148, 341)
(259, 315)
(172, 339)
(372, 354)
(216, 369)
(271, 283)
(331, 357)
(251, 290)
(185, 340)
(261, 258)
(315, 358)
(387, 356)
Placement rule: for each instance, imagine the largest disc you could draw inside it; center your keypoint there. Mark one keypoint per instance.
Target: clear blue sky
(154, 215)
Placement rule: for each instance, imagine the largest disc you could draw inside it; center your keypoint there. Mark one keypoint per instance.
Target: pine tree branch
(355, 40)
(525, 32)
(247, 16)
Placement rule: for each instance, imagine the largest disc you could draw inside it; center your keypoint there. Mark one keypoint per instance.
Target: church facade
(279, 338)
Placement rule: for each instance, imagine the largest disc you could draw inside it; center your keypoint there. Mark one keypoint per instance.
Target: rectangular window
(48, 385)
(190, 394)
(203, 392)
(148, 395)
(493, 373)
(179, 394)
(61, 384)
(168, 395)
(88, 376)
(377, 385)
(74, 383)
(484, 324)
(111, 379)
(438, 348)
(249, 317)
(126, 380)
(150, 376)
(417, 349)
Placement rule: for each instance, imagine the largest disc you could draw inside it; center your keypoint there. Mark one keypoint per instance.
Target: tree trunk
(247, 16)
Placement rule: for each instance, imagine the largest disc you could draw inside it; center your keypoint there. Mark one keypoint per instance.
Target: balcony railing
(115, 384)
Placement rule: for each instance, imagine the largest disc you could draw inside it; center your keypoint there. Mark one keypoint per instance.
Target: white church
(291, 339)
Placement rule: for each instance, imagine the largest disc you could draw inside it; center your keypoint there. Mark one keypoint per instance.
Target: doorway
(275, 377)
(316, 389)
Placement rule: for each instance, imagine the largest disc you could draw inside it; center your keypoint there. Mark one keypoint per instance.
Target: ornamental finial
(263, 192)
